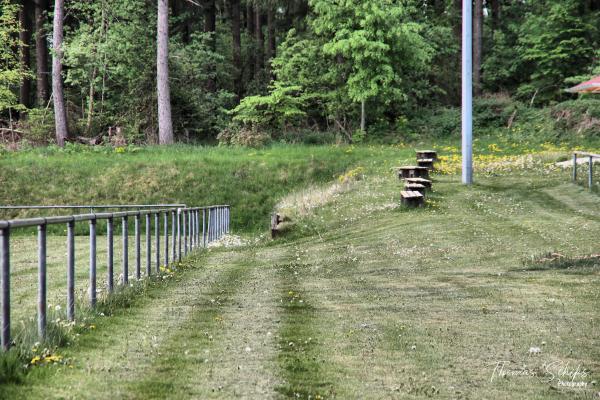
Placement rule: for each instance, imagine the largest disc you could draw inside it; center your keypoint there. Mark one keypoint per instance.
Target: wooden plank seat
(413, 172)
(425, 182)
(412, 199)
(415, 187)
(426, 154)
(426, 162)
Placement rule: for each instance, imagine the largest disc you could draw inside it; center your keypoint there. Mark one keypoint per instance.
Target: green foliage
(555, 44)
(353, 51)
(109, 59)
(39, 125)
(197, 111)
(373, 40)
(12, 71)
(281, 107)
(244, 137)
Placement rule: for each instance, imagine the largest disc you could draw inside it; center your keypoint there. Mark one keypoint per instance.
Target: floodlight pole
(467, 92)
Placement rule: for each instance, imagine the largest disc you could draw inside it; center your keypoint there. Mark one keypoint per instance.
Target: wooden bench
(426, 154)
(415, 187)
(425, 182)
(412, 199)
(426, 162)
(413, 172)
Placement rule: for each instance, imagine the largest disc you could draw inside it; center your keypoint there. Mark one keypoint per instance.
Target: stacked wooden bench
(416, 178)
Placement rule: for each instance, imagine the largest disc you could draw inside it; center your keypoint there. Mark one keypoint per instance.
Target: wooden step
(426, 154)
(413, 171)
(415, 187)
(412, 199)
(425, 182)
(426, 162)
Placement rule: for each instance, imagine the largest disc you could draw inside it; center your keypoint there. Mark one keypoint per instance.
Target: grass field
(363, 299)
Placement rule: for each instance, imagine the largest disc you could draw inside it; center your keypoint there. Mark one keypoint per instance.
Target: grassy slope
(379, 303)
(251, 181)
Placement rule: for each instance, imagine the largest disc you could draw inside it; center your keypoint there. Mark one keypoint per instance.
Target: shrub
(39, 125)
(245, 137)
(308, 137)
(283, 106)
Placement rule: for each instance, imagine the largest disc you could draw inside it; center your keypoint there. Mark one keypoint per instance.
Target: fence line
(184, 227)
(590, 157)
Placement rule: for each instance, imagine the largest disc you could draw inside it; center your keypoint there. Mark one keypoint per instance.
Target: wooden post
(591, 175)
(574, 167)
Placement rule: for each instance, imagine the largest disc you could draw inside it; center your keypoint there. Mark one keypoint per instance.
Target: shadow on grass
(556, 261)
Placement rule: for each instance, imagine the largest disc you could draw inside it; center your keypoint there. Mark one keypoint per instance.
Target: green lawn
(365, 299)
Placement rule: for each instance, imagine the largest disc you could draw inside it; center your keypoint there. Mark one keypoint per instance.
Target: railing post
(5, 286)
(173, 237)
(192, 230)
(157, 239)
(204, 227)
(125, 228)
(196, 228)
(221, 222)
(110, 254)
(217, 222)
(166, 228)
(71, 270)
(574, 167)
(138, 249)
(179, 234)
(188, 222)
(209, 228)
(185, 240)
(148, 246)
(92, 263)
(42, 282)
(591, 173)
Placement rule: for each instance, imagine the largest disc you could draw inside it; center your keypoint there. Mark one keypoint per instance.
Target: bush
(245, 137)
(581, 117)
(308, 137)
(39, 125)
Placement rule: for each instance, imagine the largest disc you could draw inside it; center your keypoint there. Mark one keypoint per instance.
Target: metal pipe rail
(98, 207)
(590, 157)
(186, 231)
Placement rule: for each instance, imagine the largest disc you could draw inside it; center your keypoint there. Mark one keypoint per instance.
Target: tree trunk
(495, 6)
(271, 42)
(260, 43)
(60, 111)
(210, 26)
(363, 116)
(165, 124)
(210, 20)
(249, 64)
(237, 45)
(25, 46)
(41, 53)
(458, 19)
(477, 46)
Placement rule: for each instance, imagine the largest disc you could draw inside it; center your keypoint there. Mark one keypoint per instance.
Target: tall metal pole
(467, 93)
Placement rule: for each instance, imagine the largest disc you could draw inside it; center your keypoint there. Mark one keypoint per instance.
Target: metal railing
(190, 228)
(590, 157)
